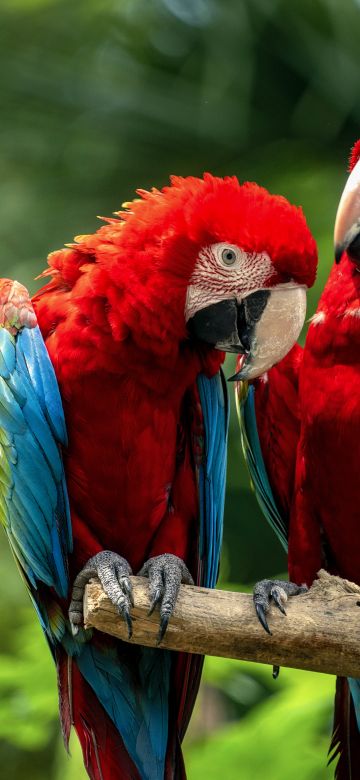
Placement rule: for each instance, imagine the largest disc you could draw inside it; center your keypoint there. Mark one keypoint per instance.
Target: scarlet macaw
(136, 319)
(300, 424)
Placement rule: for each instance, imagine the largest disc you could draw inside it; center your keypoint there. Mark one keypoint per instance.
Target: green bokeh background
(99, 97)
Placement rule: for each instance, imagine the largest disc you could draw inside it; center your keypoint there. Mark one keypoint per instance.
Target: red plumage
(326, 516)
(308, 416)
(113, 320)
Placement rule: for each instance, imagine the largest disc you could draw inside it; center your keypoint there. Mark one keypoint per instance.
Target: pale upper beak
(347, 223)
(261, 327)
(275, 332)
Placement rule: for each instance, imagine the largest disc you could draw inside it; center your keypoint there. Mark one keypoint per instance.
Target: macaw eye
(228, 256)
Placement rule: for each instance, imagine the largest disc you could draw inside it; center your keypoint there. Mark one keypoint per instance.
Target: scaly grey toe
(166, 573)
(276, 591)
(114, 574)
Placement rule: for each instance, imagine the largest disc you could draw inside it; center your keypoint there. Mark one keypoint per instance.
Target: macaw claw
(260, 611)
(166, 573)
(277, 591)
(114, 573)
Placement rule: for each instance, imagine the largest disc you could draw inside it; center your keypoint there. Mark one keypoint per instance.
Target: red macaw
(301, 423)
(135, 320)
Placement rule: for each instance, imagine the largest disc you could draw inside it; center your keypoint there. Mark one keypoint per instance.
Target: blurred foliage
(99, 97)
(28, 701)
(22, 698)
(283, 734)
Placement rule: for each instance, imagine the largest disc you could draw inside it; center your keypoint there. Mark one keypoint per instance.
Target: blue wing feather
(212, 473)
(255, 462)
(34, 505)
(7, 355)
(44, 381)
(139, 713)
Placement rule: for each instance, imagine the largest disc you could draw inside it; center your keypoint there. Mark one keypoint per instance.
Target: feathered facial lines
(223, 271)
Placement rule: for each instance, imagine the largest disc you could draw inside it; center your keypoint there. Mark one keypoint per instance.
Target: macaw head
(216, 262)
(247, 292)
(347, 223)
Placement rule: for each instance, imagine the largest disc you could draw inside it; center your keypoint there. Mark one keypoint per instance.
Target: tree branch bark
(321, 631)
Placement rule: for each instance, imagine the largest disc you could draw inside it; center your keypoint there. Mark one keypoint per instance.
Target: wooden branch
(321, 631)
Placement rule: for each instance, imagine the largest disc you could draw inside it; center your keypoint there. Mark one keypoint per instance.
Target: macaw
(300, 426)
(124, 344)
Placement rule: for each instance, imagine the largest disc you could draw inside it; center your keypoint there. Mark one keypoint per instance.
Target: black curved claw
(126, 615)
(275, 672)
(260, 611)
(164, 622)
(276, 599)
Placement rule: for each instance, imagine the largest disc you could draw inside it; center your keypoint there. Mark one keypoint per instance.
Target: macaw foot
(277, 591)
(114, 572)
(166, 573)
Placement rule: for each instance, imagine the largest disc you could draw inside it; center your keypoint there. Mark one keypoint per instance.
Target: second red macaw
(301, 428)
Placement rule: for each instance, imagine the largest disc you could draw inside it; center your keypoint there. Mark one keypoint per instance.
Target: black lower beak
(218, 324)
(229, 325)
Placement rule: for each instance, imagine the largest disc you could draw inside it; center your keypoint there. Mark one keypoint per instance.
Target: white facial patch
(224, 271)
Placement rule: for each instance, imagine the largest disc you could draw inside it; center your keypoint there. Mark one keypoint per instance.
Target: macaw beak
(261, 327)
(347, 223)
(276, 331)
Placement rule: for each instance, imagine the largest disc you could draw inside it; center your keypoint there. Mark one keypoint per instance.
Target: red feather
(323, 500)
(354, 155)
